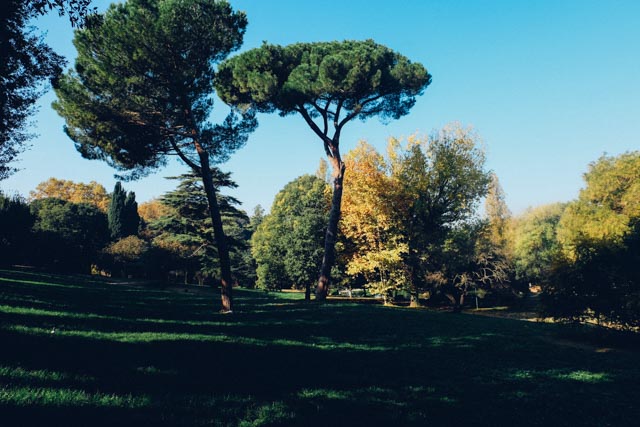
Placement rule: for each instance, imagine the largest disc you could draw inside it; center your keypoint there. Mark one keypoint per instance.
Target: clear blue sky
(550, 85)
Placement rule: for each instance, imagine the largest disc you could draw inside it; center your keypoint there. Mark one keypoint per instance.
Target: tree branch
(313, 125)
(357, 110)
(184, 158)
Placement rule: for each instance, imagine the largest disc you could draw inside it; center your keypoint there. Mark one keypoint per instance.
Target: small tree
(184, 228)
(328, 84)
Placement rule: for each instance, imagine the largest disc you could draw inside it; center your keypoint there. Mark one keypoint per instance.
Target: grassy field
(80, 352)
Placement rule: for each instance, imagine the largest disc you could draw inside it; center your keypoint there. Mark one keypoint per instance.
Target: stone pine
(329, 84)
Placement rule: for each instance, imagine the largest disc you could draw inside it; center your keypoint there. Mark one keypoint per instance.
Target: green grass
(79, 352)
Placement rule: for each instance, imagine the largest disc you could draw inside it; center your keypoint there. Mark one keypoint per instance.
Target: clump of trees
(597, 272)
(75, 192)
(123, 216)
(410, 222)
(411, 219)
(583, 255)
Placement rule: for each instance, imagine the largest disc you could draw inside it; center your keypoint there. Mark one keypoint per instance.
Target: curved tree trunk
(330, 237)
(226, 283)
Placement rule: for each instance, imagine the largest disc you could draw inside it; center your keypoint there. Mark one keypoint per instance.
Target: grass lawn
(80, 352)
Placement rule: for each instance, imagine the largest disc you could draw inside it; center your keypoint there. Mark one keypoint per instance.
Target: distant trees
(70, 191)
(16, 221)
(328, 84)
(535, 243)
(142, 90)
(68, 236)
(288, 242)
(599, 235)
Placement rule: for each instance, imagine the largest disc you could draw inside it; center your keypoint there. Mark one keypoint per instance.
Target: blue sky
(550, 85)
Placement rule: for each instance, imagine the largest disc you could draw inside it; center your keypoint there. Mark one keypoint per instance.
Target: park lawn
(76, 351)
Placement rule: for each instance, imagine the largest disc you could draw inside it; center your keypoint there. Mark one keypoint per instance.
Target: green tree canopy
(142, 89)
(599, 235)
(535, 242)
(328, 84)
(68, 235)
(287, 245)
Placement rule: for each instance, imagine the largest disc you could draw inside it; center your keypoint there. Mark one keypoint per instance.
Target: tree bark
(330, 237)
(226, 283)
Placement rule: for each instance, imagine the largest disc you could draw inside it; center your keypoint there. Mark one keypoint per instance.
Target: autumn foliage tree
(400, 211)
(75, 192)
(329, 84)
(371, 222)
(142, 90)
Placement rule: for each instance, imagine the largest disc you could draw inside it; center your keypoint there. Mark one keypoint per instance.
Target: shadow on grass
(130, 356)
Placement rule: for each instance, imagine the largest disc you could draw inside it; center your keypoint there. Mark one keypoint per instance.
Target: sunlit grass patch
(274, 413)
(49, 396)
(10, 374)
(577, 375)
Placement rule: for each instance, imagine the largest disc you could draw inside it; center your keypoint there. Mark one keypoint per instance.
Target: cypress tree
(131, 217)
(123, 213)
(116, 210)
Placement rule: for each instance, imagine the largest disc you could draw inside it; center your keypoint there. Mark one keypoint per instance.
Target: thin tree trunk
(307, 292)
(414, 301)
(226, 283)
(330, 238)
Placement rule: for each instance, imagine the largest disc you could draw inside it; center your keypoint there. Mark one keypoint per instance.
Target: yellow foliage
(152, 210)
(75, 192)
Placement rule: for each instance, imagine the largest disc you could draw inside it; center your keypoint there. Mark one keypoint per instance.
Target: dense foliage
(68, 236)
(16, 221)
(27, 63)
(288, 243)
(400, 213)
(599, 235)
(75, 192)
(183, 231)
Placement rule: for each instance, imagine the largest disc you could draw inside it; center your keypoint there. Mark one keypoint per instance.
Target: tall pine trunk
(331, 235)
(226, 283)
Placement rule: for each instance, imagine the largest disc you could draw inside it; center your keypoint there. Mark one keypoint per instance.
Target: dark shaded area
(158, 355)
